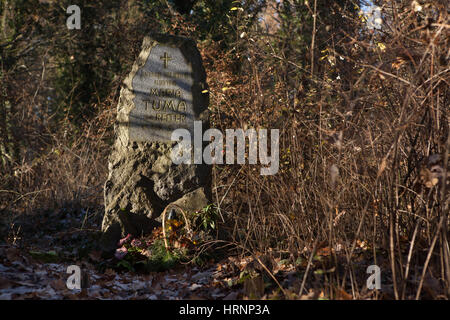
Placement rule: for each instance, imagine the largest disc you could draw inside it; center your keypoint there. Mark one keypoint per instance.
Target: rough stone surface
(142, 179)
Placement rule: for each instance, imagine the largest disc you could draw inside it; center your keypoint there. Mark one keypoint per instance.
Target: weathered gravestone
(165, 90)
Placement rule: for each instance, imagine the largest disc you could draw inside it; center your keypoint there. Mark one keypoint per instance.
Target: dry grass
(363, 156)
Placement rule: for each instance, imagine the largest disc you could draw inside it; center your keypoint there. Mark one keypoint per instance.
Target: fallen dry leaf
(58, 284)
(342, 295)
(96, 256)
(6, 283)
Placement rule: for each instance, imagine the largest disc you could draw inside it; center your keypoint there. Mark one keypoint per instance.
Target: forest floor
(23, 277)
(34, 262)
(39, 249)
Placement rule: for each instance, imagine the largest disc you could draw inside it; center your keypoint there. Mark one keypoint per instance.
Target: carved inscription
(163, 96)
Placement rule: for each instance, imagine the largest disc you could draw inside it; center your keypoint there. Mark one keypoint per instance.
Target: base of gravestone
(142, 182)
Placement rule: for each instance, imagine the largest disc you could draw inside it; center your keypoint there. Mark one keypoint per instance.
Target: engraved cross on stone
(166, 59)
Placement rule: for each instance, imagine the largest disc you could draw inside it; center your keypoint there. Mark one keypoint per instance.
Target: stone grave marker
(165, 90)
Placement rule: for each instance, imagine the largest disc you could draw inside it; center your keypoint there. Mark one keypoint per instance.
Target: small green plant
(205, 219)
(162, 259)
(46, 256)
